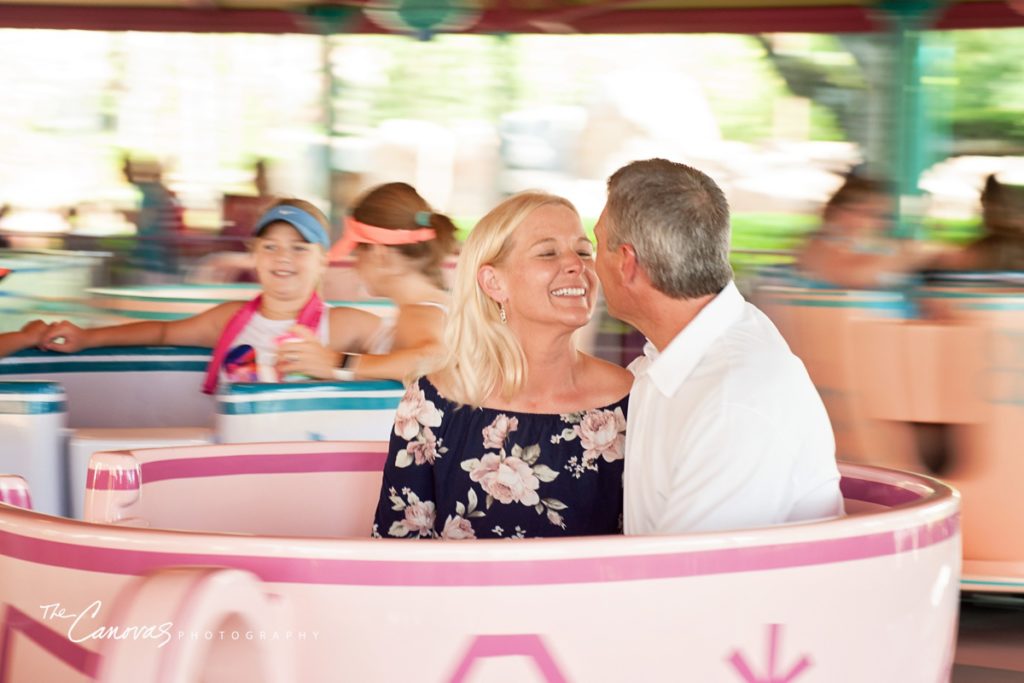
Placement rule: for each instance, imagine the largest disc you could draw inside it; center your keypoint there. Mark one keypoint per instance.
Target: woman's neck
(553, 371)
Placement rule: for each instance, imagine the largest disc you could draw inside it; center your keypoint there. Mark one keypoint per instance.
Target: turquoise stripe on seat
(119, 351)
(291, 397)
(37, 387)
(102, 366)
(295, 405)
(293, 388)
(131, 359)
(967, 583)
(32, 407)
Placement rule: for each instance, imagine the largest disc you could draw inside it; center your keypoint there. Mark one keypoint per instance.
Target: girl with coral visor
(399, 244)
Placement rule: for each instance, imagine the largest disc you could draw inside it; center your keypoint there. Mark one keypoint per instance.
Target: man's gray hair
(677, 220)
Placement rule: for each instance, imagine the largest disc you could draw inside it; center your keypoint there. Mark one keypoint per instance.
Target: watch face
(240, 364)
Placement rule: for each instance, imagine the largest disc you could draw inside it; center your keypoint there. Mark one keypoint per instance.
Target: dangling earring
(501, 313)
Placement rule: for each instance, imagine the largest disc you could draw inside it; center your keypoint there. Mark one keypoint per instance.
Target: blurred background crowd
(157, 146)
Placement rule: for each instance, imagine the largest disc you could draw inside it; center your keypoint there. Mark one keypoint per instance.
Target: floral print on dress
(496, 432)
(417, 516)
(456, 472)
(601, 432)
(505, 479)
(513, 478)
(413, 419)
(414, 413)
(459, 527)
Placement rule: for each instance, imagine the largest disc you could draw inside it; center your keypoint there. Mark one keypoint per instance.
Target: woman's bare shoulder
(607, 381)
(350, 314)
(418, 324)
(437, 379)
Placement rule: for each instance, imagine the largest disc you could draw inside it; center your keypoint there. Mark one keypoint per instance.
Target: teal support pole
(912, 139)
(912, 128)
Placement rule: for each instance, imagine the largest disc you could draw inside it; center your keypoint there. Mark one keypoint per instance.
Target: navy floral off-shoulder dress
(461, 472)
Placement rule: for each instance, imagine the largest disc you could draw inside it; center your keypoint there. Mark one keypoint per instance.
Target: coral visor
(361, 233)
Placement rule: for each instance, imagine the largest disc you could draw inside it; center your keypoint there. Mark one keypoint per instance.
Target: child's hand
(305, 355)
(33, 332)
(64, 337)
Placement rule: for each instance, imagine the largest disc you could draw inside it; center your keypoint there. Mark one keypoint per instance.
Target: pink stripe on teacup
(409, 572)
(880, 493)
(112, 480)
(268, 463)
(227, 465)
(19, 498)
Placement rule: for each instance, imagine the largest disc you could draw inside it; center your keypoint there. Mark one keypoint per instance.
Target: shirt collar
(669, 368)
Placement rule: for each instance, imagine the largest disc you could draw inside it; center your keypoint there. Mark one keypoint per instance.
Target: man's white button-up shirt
(726, 430)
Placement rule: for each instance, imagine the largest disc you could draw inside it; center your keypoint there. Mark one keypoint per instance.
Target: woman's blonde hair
(483, 353)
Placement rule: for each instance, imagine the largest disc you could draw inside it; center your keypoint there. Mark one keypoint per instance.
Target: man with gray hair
(725, 428)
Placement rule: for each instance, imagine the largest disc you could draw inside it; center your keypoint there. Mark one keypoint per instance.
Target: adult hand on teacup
(300, 352)
(64, 336)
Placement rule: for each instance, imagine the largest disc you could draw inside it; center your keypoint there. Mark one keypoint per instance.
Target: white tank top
(261, 334)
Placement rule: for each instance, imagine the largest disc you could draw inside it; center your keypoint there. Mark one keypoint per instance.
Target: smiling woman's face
(549, 270)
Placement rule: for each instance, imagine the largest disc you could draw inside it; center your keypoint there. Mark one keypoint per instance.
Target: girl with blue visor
(287, 330)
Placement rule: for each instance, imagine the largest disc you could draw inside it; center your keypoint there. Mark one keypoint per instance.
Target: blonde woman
(518, 434)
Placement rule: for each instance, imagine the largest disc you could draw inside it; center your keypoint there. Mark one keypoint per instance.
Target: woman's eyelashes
(582, 253)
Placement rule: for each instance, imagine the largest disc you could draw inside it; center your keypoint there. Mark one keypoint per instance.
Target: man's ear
(629, 269)
(492, 282)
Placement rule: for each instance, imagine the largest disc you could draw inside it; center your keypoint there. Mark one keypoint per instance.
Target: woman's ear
(492, 282)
